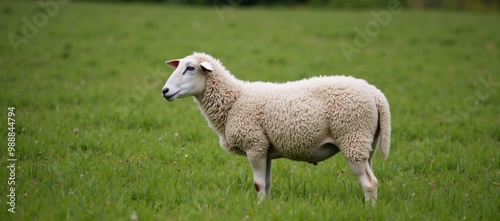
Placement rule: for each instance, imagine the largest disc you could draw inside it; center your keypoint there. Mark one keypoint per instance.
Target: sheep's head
(188, 79)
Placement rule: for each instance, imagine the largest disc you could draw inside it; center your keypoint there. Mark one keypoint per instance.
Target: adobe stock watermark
(38, 20)
(11, 159)
(363, 37)
(151, 81)
(485, 87)
(222, 8)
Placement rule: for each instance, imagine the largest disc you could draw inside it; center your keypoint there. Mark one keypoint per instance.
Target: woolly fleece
(295, 118)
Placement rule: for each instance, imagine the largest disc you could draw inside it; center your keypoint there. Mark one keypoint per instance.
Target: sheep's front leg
(268, 177)
(260, 167)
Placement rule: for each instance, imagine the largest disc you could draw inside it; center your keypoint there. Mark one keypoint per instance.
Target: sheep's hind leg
(368, 181)
(260, 166)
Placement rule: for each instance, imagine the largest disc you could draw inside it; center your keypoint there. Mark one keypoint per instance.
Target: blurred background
(479, 5)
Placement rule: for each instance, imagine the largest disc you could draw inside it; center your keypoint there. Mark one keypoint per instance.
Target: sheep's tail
(384, 121)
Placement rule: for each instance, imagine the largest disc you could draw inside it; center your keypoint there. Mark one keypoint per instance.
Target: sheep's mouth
(171, 97)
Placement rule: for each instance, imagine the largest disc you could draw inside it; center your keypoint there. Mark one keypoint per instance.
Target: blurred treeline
(349, 4)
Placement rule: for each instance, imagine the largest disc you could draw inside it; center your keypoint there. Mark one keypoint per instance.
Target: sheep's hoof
(371, 202)
(262, 197)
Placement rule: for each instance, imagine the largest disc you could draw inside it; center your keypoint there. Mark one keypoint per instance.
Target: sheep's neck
(221, 92)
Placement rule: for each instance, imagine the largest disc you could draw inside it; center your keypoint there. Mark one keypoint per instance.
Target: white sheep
(308, 120)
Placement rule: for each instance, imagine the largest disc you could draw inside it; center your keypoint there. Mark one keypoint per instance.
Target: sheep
(308, 120)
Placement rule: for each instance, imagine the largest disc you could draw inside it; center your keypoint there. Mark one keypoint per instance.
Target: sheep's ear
(173, 63)
(206, 67)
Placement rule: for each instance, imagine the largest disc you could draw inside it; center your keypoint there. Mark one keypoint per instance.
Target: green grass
(99, 68)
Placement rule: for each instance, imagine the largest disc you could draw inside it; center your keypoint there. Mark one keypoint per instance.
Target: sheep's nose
(164, 91)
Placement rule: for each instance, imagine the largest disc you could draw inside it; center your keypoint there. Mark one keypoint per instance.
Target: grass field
(95, 140)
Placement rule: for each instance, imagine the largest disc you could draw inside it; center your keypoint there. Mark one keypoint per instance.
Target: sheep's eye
(189, 68)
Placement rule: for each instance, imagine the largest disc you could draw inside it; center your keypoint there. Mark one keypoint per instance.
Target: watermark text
(223, 7)
(485, 87)
(363, 37)
(11, 160)
(39, 20)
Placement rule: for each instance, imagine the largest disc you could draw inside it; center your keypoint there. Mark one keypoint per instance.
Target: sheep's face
(188, 79)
